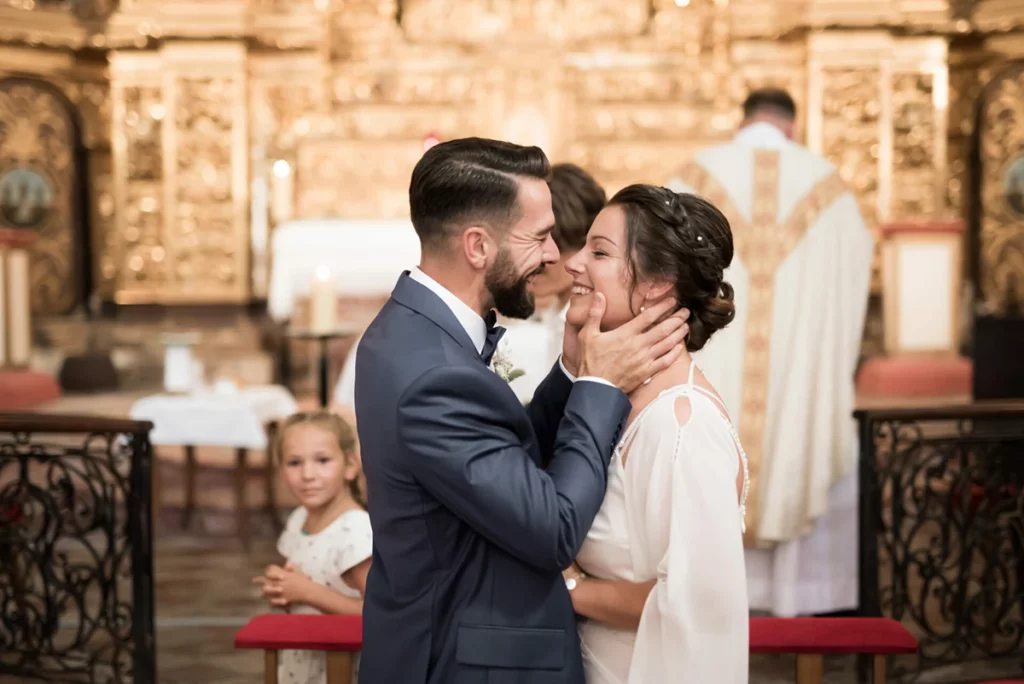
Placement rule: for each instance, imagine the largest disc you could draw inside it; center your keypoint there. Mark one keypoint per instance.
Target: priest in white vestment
(785, 367)
(534, 345)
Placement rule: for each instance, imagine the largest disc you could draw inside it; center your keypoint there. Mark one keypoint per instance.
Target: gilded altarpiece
(342, 96)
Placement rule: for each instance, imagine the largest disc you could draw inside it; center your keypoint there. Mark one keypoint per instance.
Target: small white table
(238, 419)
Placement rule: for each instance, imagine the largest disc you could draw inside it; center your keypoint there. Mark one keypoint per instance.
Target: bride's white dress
(671, 513)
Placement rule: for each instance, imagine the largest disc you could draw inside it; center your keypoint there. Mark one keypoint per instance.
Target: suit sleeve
(462, 448)
(546, 409)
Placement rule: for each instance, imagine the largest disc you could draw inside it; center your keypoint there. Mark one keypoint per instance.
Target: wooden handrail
(60, 424)
(978, 409)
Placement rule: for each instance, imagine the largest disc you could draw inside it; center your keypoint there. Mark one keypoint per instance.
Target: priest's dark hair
(685, 240)
(469, 181)
(769, 101)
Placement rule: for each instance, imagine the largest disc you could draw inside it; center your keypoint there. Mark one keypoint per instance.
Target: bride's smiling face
(602, 266)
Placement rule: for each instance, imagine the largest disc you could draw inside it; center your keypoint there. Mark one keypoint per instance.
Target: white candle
(259, 232)
(281, 191)
(323, 302)
(19, 316)
(3, 308)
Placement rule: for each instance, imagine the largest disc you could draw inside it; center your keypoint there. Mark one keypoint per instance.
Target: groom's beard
(511, 296)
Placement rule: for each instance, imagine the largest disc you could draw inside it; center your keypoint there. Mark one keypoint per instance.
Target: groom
(470, 534)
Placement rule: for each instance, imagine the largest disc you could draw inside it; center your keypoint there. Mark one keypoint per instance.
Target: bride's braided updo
(682, 239)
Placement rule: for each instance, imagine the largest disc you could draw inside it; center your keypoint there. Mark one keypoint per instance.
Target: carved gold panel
(182, 174)
(39, 185)
(878, 110)
(484, 21)
(1001, 234)
(374, 178)
(851, 131)
(137, 254)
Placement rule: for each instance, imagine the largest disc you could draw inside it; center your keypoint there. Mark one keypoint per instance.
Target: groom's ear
(477, 246)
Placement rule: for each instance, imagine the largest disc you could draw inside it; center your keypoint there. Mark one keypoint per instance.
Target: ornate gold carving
(851, 129)
(762, 243)
(1001, 238)
(482, 21)
(636, 124)
(364, 29)
(915, 188)
(376, 178)
(38, 184)
(142, 257)
(83, 9)
(206, 241)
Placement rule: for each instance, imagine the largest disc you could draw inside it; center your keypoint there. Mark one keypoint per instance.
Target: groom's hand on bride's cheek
(635, 351)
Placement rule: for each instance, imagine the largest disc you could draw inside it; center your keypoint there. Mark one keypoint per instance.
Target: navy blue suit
(470, 534)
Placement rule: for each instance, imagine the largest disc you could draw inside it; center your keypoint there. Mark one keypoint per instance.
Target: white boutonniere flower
(502, 365)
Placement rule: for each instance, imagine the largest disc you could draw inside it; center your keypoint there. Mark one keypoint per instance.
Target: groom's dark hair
(469, 180)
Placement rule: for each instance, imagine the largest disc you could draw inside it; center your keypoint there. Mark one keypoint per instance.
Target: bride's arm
(618, 603)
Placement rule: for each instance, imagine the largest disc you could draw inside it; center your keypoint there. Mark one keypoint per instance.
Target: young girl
(327, 540)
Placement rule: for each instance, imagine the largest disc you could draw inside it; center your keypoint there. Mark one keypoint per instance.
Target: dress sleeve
(287, 541)
(695, 623)
(354, 543)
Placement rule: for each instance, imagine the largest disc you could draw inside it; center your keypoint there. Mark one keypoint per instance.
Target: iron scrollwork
(76, 580)
(942, 532)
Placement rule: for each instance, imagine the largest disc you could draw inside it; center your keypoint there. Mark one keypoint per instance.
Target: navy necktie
(494, 333)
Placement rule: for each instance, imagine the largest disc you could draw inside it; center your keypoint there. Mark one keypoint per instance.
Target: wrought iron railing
(942, 532)
(76, 549)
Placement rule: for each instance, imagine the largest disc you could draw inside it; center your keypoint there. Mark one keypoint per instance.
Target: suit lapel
(420, 299)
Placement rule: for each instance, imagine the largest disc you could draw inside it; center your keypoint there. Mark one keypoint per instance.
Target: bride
(660, 580)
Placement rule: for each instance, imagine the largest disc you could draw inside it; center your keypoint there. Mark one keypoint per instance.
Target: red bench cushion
(302, 632)
(830, 635)
(24, 390)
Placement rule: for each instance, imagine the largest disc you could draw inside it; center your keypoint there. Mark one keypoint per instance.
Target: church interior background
(153, 148)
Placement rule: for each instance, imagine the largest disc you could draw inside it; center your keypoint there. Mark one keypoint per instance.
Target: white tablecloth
(206, 418)
(365, 258)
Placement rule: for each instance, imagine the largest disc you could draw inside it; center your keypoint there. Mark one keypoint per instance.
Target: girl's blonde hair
(337, 426)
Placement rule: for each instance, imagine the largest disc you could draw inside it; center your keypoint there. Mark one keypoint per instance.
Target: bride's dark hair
(682, 239)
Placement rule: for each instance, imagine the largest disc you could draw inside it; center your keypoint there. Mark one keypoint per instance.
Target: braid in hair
(685, 240)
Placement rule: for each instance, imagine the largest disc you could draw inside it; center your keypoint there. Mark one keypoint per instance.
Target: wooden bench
(340, 636)
(811, 639)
